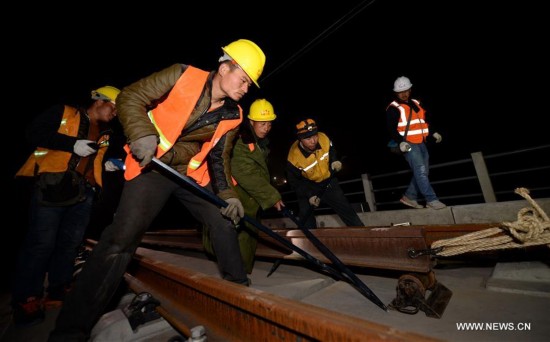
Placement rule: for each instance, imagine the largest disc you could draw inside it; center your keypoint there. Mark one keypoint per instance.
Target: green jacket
(249, 169)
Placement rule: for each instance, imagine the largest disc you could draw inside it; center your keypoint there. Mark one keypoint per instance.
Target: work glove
(404, 147)
(82, 148)
(234, 209)
(144, 149)
(314, 201)
(336, 166)
(110, 166)
(437, 137)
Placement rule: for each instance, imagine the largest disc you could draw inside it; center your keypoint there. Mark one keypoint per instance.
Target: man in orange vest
(70, 144)
(408, 127)
(188, 119)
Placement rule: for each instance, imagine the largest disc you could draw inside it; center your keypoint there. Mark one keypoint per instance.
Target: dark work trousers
(334, 197)
(51, 246)
(141, 200)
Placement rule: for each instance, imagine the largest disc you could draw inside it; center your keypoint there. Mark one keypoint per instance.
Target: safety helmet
(306, 128)
(106, 93)
(248, 56)
(261, 110)
(401, 84)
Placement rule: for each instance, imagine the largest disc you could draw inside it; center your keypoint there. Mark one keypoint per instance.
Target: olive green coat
(249, 169)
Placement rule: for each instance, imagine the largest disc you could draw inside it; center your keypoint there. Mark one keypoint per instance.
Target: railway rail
(231, 312)
(190, 298)
(373, 247)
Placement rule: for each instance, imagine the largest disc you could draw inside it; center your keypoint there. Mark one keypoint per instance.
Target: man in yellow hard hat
(250, 171)
(191, 128)
(67, 163)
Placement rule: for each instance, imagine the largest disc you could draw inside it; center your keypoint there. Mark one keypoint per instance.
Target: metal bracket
(142, 309)
(411, 293)
(413, 253)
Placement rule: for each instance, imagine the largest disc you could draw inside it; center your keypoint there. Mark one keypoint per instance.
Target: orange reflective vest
(46, 160)
(316, 166)
(418, 128)
(169, 119)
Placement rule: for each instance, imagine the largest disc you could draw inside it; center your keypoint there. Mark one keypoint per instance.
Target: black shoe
(246, 282)
(28, 313)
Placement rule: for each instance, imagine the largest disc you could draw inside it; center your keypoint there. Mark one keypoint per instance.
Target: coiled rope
(532, 228)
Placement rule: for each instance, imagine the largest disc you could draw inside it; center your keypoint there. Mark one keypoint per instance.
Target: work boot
(56, 296)
(411, 203)
(28, 313)
(435, 205)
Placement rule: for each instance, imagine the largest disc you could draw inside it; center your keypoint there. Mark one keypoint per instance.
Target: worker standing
(249, 168)
(408, 126)
(188, 118)
(67, 167)
(311, 167)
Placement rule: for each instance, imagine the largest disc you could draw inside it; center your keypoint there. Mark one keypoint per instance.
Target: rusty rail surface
(375, 247)
(231, 312)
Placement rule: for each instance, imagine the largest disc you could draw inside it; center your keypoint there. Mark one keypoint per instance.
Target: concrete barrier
(461, 214)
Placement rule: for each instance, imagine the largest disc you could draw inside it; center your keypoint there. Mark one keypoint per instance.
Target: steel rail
(232, 312)
(184, 180)
(367, 247)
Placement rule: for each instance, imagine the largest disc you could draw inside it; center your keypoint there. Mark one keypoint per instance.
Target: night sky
(480, 71)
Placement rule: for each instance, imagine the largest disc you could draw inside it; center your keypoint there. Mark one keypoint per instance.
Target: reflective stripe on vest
(46, 160)
(170, 116)
(418, 128)
(199, 170)
(316, 166)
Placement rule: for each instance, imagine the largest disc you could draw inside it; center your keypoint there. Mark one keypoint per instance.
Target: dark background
(481, 71)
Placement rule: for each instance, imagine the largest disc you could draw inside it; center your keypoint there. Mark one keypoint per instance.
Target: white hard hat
(401, 84)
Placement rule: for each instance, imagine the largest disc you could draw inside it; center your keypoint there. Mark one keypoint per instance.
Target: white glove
(110, 166)
(336, 166)
(314, 201)
(82, 149)
(144, 149)
(234, 209)
(437, 137)
(404, 147)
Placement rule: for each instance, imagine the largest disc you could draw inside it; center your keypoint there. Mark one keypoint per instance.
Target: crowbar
(351, 277)
(220, 202)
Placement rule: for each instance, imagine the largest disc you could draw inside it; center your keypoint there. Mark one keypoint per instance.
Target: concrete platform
(493, 300)
(529, 278)
(475, 311)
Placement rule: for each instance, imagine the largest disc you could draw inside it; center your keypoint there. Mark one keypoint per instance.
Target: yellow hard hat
(261, 110)
(106, 93)
(248, 56)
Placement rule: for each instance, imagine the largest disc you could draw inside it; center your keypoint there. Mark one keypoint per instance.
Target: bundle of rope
(532, 228)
